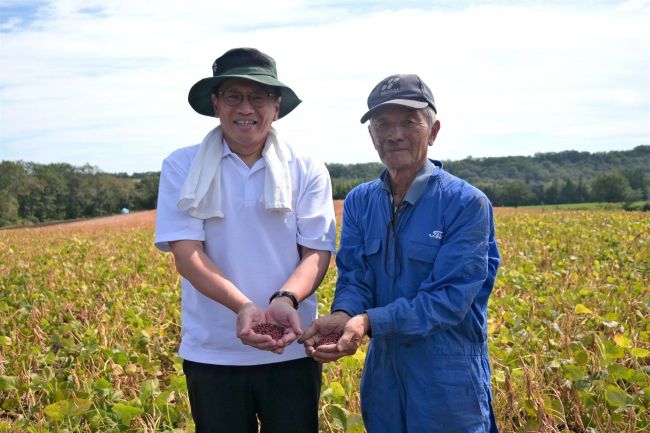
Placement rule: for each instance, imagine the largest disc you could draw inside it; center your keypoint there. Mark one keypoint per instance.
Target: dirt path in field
(133, 218)
(338, 210)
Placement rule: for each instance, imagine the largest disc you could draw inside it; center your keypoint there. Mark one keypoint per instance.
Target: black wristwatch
(284, 293)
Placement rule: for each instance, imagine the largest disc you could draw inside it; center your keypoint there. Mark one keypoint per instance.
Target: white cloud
(106, 82)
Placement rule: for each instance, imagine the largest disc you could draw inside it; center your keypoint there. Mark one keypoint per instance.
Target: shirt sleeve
(354, 287)
(466, 263)
(172, 224)
(315, 212)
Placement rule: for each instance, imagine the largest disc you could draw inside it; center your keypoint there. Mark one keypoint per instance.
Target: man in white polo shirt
(250, 222)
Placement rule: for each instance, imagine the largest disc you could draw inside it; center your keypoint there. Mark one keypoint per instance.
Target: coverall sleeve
(353, 286)
(459, 272)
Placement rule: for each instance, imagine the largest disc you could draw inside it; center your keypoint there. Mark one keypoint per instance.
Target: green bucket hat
(246, 63)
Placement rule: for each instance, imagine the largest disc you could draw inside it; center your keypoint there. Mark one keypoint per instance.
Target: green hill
(32, 193)
(545, 178)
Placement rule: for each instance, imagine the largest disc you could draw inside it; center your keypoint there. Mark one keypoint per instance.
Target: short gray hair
(431, 115)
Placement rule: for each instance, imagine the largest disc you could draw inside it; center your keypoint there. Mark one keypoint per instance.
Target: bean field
(90, 323)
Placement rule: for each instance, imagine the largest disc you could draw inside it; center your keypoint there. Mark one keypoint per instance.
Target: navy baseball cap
(401, 89)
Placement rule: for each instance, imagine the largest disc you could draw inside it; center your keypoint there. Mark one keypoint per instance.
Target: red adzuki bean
(332, 338)
(276, 332)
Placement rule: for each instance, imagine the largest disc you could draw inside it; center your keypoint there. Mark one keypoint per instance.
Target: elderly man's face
(246, 112)
(402, 136)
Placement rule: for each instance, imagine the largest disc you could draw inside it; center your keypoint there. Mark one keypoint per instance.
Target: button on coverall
(423, 274)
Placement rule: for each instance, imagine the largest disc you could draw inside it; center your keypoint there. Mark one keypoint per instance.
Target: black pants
(230, 399)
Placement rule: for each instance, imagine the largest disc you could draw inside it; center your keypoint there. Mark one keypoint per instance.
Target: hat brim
(403, 102)
(199, 95)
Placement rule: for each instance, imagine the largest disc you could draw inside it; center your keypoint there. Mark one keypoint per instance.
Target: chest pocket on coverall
(372, 259)
(421, 258)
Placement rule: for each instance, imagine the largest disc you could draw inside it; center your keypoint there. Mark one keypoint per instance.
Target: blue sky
(105, 82)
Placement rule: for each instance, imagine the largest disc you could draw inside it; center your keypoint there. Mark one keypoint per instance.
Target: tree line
(560, 177)
(33, 193)
(545, 178)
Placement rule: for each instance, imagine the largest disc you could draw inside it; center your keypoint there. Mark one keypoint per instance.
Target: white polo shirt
(256, 249)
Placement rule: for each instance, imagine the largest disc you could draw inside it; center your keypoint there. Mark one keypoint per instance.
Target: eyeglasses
(257, 98)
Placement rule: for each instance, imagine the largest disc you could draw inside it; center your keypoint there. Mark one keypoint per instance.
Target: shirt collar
(226, 149)
(227, 152)
(418, 185)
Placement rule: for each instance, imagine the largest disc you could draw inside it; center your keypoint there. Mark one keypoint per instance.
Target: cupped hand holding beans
(249, 316)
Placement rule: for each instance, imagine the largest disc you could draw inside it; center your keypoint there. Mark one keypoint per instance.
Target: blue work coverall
(423, 274)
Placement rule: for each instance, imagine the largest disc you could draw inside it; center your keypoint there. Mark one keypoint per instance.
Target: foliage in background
(545, 178)
(545, 167)
(32, 193)
(562, 177)
(89, 327)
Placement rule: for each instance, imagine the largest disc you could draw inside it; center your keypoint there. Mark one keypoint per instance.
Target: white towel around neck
(201, 193)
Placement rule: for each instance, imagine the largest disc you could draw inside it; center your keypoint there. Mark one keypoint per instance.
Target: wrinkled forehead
(397, 112)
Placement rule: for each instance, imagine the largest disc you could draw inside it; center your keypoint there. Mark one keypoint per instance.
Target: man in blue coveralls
(417, 264)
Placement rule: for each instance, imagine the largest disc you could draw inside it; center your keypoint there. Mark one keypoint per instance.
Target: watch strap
(284, 293)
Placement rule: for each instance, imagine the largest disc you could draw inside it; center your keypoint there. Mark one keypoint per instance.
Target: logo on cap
(388, 87)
